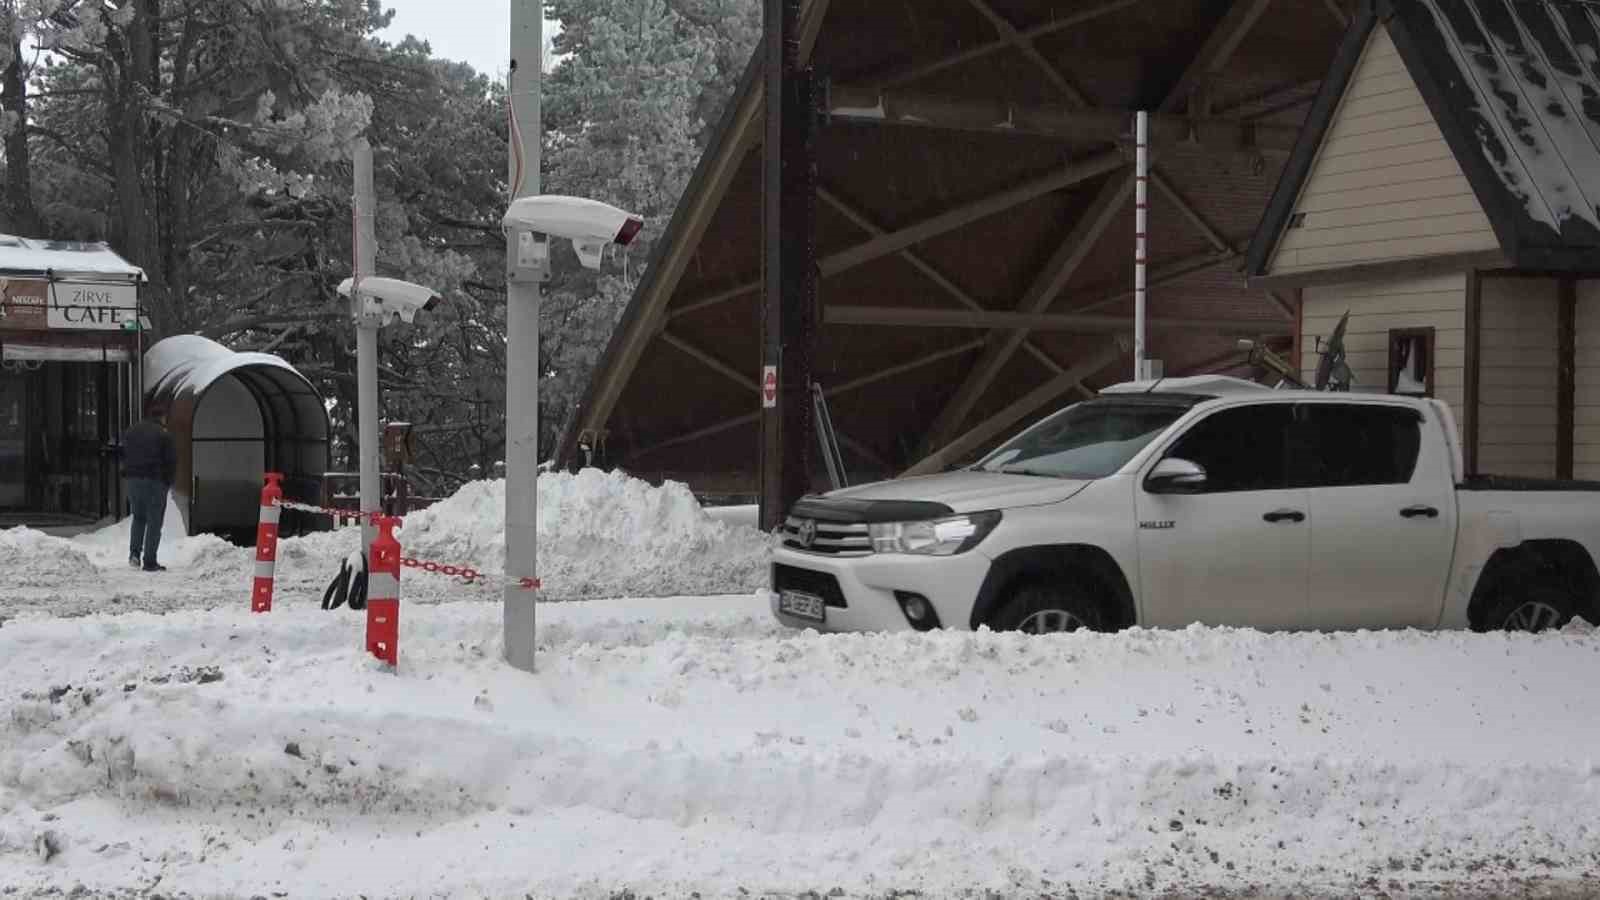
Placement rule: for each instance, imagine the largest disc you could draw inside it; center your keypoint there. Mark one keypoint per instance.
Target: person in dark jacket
(149, 465)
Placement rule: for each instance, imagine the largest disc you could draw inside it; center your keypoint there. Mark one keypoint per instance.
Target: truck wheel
(1041, 608)
(1541, 606)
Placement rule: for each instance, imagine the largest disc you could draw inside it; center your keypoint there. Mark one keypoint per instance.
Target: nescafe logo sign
(23, 303)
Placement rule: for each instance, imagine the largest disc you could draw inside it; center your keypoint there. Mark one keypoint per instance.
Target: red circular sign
(769, 386)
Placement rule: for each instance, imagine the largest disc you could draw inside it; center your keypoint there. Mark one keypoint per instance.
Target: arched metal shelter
(236, 416)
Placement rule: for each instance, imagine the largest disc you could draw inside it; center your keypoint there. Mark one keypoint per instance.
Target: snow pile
(201, 558)
(666, 749)
(601, 534)
(33, 559)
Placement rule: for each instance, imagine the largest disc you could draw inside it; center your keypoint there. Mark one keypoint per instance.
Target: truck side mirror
(1176, 476)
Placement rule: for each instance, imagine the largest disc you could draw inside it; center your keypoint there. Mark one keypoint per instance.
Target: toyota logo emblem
(807, 532)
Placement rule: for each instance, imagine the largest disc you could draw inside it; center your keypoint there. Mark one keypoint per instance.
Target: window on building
(1411, 362)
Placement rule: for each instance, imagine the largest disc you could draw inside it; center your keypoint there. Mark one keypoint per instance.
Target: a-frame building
(1444, 193)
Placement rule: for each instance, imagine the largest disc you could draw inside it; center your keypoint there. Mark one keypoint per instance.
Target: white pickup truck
(1209, 500)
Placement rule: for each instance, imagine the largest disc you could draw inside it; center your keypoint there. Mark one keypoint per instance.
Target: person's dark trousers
(148, 499)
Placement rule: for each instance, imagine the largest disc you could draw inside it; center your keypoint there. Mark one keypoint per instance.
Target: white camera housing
(388, 298)
(589, 224)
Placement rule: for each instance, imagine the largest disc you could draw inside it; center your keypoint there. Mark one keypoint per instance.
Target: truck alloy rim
(1533, 616)
(1050, 621)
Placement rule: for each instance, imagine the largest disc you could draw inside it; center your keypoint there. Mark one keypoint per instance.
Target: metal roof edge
(724, 142)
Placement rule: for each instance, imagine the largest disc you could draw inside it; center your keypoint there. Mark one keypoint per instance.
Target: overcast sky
(472, 31)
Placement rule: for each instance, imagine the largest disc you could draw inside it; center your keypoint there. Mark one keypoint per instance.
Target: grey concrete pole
(366, 255)
(522, 337)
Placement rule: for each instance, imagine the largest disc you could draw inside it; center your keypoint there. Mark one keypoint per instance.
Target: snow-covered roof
(189, 362)
(63, 259)
(1209, 385)
(1515, 88)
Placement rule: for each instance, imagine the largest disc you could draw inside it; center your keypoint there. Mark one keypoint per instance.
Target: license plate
(802, 605)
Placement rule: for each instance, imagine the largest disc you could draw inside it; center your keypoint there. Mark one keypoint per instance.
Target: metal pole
(788, 310)
(770, 512)
(366, 255)
(522, 337)
(1141, 251)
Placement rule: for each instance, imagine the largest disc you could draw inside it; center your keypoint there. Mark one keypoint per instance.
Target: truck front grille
(818, 584)
(827, 538)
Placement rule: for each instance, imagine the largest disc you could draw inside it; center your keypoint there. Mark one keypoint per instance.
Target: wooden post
(1474, 365)
(789, 305)
(1566, 374)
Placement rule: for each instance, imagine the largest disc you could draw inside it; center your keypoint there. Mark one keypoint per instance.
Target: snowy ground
(669, 747)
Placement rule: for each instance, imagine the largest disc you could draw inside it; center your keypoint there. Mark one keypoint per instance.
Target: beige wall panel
(1323, 258)
(1392, 199)
(1517, 379)
(1411, 232)
(1437, 301)
(1586, 387)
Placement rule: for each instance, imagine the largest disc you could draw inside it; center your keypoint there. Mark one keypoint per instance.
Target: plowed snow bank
(690, 745)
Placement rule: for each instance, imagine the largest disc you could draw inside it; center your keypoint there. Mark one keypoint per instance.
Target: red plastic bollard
(266, 544)
(383, 593)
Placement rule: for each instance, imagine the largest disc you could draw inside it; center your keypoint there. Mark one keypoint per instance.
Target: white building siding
(1385, 185)
(1518, 376)
(1437, 302)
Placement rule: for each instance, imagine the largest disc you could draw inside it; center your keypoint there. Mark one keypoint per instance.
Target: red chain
(470, 574)
(331, 511)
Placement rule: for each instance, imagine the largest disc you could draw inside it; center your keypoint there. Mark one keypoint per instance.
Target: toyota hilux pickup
(1205, 500)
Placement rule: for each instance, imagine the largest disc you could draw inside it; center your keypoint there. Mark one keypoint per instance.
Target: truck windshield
(1086, 440)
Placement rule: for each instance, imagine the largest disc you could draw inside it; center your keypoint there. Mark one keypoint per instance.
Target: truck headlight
(934, 537)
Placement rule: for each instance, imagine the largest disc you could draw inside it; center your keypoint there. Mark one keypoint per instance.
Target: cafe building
(71, 338)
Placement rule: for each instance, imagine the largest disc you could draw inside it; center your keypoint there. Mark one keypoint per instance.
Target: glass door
(13, 439)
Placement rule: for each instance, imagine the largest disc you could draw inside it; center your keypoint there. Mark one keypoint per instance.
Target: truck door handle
(1420, 512)
(1285, 515)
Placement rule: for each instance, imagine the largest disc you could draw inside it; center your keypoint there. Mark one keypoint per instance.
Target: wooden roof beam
(1212, 235)
(1281, 303)
(1273, 101)
(1046, 287)
(1162, 274)
(857, 105)
(860, 220)
(1222, 362)
(998, 423)
(853, 385)
(983, 208)
(1189, 212)
(923, 70)
(889, 243)
(920, 317)
(749, 382)
(1010, 34)
(1214, 54)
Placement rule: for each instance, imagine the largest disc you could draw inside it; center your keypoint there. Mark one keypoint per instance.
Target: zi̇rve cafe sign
(30, 303)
